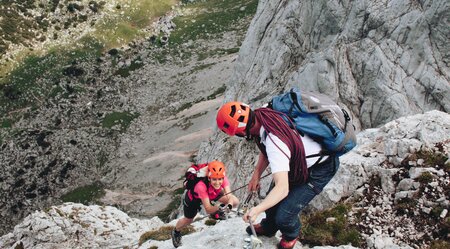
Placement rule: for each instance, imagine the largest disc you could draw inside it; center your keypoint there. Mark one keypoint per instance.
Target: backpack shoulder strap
(202, 179)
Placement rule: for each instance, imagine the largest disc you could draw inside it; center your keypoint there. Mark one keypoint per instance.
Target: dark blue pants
(285, 215)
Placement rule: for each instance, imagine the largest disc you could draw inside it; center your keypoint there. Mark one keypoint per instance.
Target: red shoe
(259, 231)
(286, 244)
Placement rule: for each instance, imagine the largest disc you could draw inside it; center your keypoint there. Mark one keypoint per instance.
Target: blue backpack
(319, 117)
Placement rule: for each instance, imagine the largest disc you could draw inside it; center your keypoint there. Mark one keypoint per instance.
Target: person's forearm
(210, 209)
(278, 193)
(261, 165)
(275, 196)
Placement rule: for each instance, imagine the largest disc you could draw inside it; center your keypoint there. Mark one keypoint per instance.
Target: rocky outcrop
(399, 199)
(382, 59)
(78, 226)
(385, 152)
(397, 180)
(379, 59)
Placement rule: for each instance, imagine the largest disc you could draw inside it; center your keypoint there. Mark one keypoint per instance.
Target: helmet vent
(226, 125)
(241, 119)
(233, 111)
(243, 107)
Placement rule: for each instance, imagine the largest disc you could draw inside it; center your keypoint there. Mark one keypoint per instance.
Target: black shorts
(191, 207)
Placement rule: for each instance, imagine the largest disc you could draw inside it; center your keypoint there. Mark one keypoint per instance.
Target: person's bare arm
(210, 209)
(261, 165)
(278, 193)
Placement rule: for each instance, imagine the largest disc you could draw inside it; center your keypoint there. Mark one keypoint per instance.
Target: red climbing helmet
(216, 170)
(233, 117)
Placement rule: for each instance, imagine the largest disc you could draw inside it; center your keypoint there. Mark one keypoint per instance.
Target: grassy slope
(34, 80)
(40, 76)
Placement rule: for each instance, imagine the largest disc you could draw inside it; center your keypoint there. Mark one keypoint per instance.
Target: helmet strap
(250, 123)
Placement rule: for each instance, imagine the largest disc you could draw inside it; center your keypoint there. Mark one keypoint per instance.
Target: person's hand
(251, 214)
(253, 185)
(225, 207)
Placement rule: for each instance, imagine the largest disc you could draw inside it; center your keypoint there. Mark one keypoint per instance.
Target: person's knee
(235, 201)
(287, 219)
(183, 222)
(287, 223)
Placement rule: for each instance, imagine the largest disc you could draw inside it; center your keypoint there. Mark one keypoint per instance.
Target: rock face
(384, 151)
(382, 59)
(392, 180)
(394, 205)
(78, 226)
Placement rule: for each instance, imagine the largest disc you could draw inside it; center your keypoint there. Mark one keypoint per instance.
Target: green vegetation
(425, 178)
(85, 195)
(435, 157)
(317, 231)
(405, 206)
(137, 15)
(210, 222)
(173, 205)
(221, 51)
(123, 119)
(187, 105)
(436, 212)
(214, 95)
(30, 84)
(440, 244)
(217, 92)
(201, 67)
(163, 233)
(6, 123)
(125, 72)
(38, 74)
(15, 28)
(443, 230)
(204, 19)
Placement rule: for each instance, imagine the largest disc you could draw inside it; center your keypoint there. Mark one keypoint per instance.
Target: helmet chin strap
(250, 123)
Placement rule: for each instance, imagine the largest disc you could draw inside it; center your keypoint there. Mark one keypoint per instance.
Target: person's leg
(287, 214)
(190, 209)
(182, 223)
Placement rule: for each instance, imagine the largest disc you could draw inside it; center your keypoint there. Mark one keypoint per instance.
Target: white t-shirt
(279, 154)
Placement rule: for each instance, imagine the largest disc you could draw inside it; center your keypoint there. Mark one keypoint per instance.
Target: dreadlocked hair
(273, 122)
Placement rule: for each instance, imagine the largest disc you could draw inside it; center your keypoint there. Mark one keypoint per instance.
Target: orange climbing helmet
(233, 117)
(216, 170)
